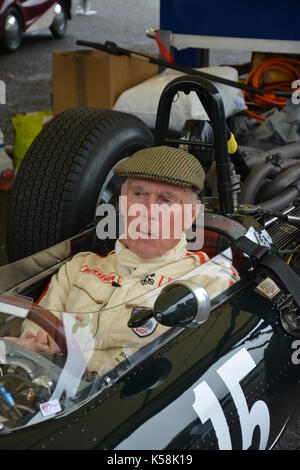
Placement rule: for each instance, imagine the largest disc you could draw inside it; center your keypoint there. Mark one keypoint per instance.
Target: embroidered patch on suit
(147, 328)
(148, 280)
(111, 277)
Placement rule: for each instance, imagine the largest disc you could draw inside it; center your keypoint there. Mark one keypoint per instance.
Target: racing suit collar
(128, 260)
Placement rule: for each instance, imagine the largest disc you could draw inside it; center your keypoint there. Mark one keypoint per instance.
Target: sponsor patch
(123, 355)
(148, 280)
(148, 328)
(109, 278)
(268, 289)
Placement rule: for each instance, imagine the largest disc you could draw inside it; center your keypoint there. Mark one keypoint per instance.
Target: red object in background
(164, 51)
(7, 178)
(7, 175)
(19, 16)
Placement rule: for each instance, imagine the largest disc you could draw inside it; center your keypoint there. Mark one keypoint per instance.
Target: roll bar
(213, 104)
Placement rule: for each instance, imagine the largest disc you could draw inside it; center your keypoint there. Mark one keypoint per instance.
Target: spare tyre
(66, 173)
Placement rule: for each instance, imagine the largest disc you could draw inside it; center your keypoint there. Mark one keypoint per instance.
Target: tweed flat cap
(166, 164)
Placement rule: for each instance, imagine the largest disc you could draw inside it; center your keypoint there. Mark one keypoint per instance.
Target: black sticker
(148, 279)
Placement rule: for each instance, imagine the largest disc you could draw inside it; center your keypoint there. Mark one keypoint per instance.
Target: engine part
(9, 401)
(283, 234)
(257, 178)
(253, 156)
(281, 201)
(279, 183)
(289, 314)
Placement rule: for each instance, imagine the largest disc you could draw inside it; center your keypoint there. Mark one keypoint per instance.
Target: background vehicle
(17, 17)
(231, 381)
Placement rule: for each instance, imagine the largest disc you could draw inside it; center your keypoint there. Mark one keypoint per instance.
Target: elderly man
(144, 260)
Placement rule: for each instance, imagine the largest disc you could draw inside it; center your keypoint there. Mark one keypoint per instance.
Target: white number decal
(208, 407)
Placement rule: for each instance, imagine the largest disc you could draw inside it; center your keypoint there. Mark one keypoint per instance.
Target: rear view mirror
(182, 303)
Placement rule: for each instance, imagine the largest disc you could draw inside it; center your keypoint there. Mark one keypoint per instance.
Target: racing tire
(60, 181)
(13, 30)
(59, 25)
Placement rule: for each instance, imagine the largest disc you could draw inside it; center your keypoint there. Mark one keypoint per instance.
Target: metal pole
(113, 48)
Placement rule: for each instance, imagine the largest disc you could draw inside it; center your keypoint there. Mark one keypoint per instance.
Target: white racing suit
(114, 286)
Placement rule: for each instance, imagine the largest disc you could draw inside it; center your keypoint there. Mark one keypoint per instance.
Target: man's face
(155, 215)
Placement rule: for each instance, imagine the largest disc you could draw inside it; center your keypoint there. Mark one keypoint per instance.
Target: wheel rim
(12, 31)
(110, 188)
(60, 18)
(109, 194)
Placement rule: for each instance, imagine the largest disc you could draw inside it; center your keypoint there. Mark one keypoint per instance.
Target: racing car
(225, 374)
(17, 17)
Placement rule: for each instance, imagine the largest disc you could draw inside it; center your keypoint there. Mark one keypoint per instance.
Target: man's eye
(165, 201)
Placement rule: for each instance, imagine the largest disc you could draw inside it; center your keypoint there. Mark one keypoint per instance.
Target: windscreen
(53, 359)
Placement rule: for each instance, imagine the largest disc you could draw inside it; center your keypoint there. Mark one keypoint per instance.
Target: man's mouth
(149, 235)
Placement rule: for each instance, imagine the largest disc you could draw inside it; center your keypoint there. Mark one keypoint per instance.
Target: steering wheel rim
(50, 323)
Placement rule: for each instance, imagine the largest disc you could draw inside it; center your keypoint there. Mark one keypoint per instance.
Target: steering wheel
(51, 324)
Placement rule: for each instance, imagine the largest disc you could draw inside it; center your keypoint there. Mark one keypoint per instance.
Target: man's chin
(145, 248)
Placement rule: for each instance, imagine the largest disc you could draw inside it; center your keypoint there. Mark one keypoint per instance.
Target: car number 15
(208, 407)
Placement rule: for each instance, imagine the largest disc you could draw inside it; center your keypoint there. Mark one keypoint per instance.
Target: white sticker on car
(50, 407)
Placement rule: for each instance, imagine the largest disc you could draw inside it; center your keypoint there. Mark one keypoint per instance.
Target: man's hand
(41, 342)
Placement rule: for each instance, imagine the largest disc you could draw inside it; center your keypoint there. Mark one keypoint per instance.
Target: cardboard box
(89, 78)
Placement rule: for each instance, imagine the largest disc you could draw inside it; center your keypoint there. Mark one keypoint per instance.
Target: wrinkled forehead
(158, 187)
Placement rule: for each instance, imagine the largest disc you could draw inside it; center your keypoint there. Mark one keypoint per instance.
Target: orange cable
(286, 65)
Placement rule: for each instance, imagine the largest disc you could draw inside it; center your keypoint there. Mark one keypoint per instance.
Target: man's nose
(151, 203)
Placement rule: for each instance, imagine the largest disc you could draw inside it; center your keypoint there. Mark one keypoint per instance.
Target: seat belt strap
(263, 258)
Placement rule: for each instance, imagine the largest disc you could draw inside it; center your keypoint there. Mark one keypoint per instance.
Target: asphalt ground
(28, 78)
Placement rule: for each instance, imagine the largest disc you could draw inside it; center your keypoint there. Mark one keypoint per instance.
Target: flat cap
(166, 164)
